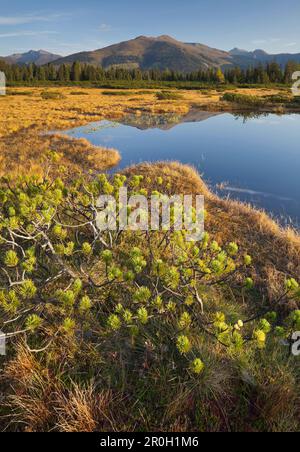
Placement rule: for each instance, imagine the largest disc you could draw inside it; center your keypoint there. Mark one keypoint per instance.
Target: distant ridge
(154, 53)
(163, 52)
(261, 56)
(39, 57)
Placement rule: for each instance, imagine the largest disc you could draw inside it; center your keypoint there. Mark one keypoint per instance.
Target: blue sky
(70, 26)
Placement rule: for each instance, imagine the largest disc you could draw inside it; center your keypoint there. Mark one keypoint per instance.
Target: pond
(252, 158)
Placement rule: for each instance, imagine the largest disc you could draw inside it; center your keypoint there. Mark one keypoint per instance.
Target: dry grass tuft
(42, 401)
(30, 402)
(84, 410)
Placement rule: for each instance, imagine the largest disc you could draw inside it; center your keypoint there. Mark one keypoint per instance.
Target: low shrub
(49, 95)
(296, 100)
(144, 92)
(19, 93)
(117, 93)
(175, 328)
(169, 95)
(243, 99)
(279, 99)
(79, 93)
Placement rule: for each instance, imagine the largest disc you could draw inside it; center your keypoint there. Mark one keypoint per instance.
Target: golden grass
(79, 107)
(25, 118)
(31, 113)
(26, 111)
(24, 153)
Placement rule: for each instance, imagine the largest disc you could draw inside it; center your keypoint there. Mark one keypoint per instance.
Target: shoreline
(29, 376)
(234, 108)
(65, 108)
(23, 150)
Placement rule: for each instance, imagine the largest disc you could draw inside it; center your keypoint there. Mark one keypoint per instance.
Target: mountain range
(158, 53)
(39, 57)
(261, 56)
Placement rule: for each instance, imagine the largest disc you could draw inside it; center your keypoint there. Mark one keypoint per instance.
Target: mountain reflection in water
(251, 157)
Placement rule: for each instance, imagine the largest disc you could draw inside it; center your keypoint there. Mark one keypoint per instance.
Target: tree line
(79, 72)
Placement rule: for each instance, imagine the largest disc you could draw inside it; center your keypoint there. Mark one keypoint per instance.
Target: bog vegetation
(135, 330)
(244, 100)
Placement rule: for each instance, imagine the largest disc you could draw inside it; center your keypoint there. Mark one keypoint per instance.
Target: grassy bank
(284, 101)
(27, 153)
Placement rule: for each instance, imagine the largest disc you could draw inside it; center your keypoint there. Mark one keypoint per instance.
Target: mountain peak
(155, 38)
(38, 57)
(141, 37)
(260, 52)
(237, 51)
(41, 52)
(166, 38)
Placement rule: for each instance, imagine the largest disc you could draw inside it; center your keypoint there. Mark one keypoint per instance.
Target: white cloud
(105, 27)
(259, 41)
(269, 41)
(68, 48)
(17, 34)
(15, 20)
(28, 18)
(265, 41)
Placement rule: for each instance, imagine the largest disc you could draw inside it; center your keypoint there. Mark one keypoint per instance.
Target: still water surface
(256, 160)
